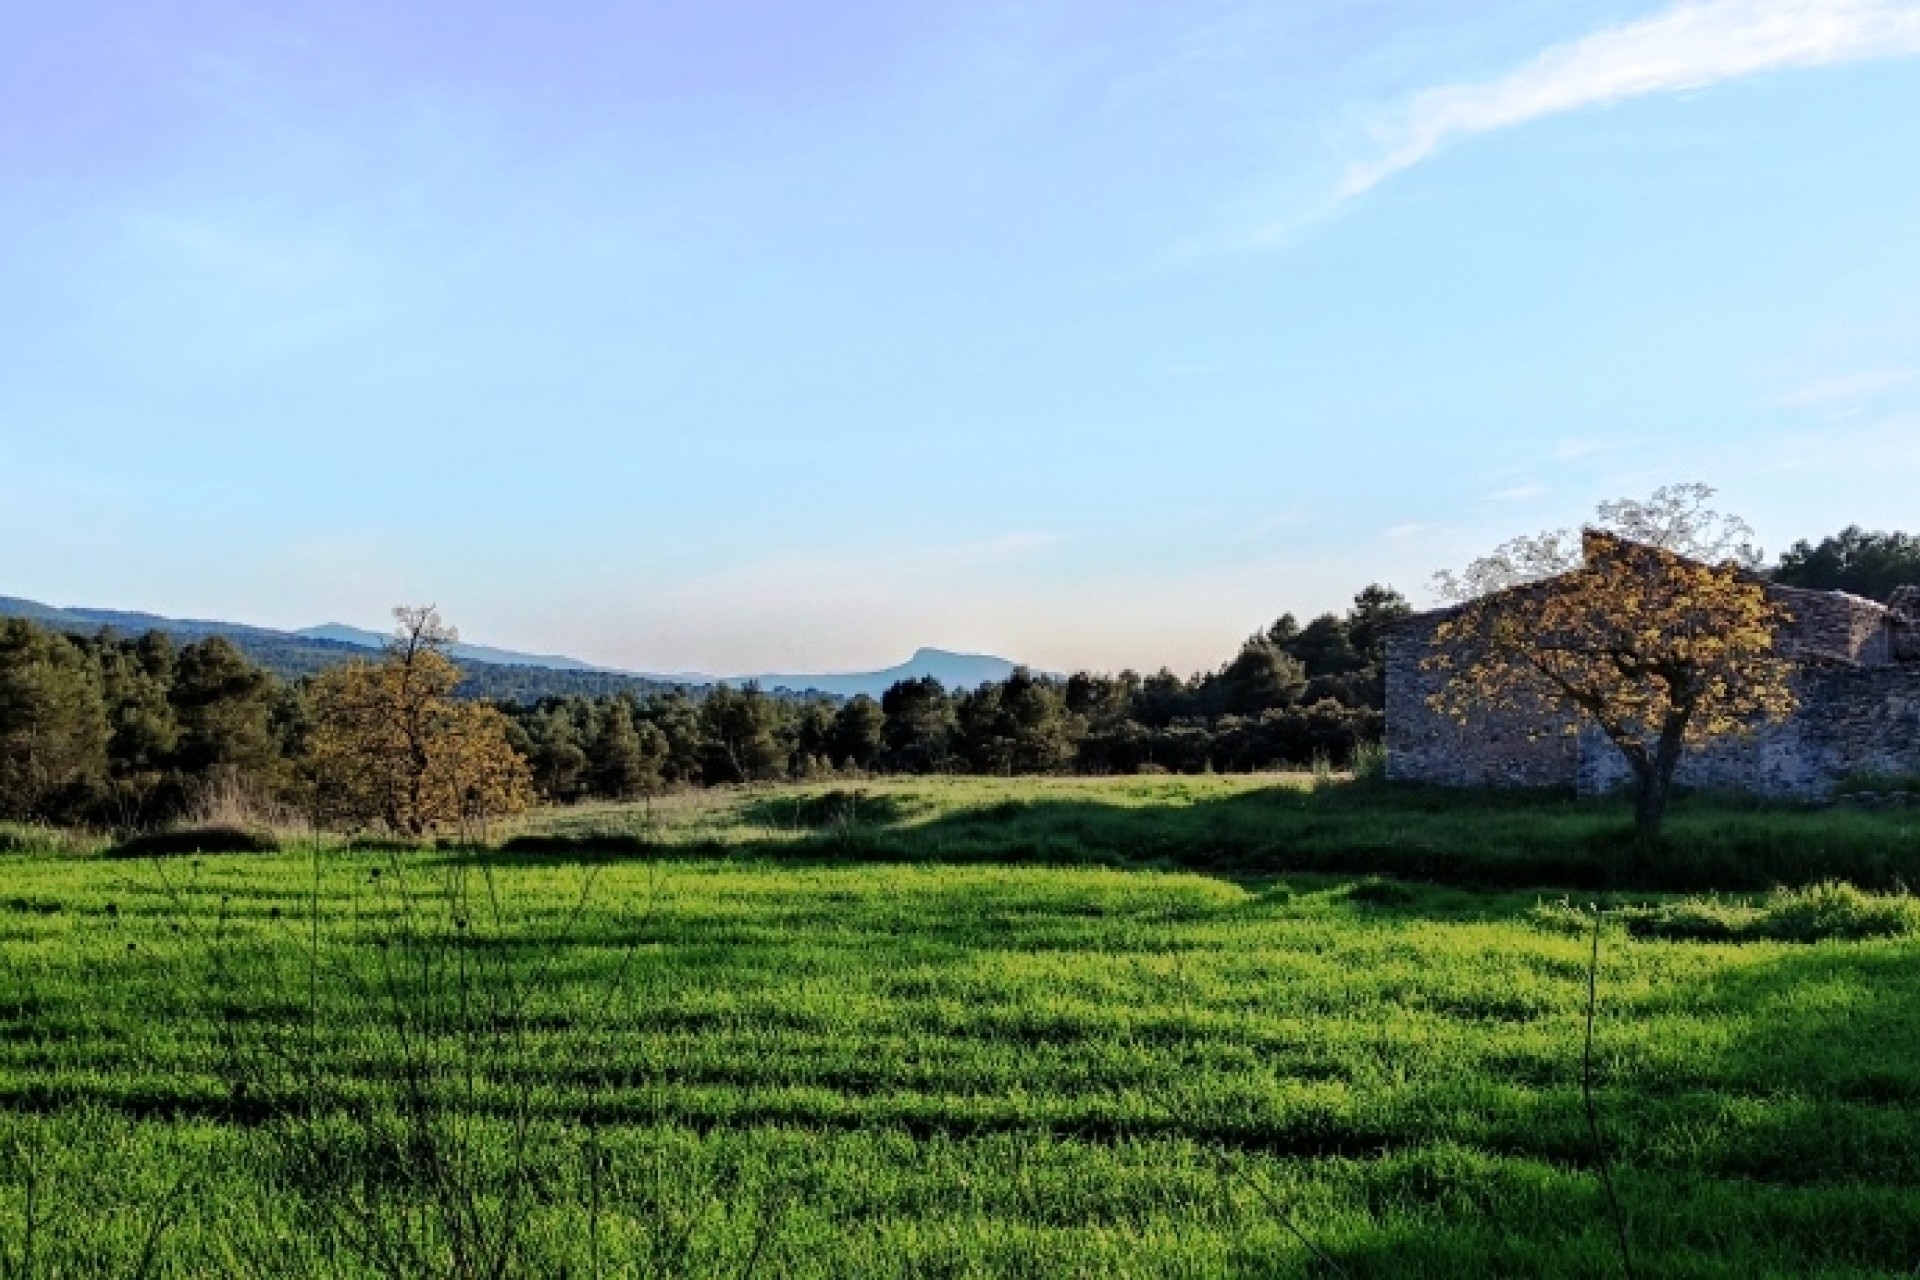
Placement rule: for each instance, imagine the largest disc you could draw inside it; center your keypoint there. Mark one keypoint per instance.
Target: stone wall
(1498, 749)
(1905, 608)
(1859, 691)
(1851, 722)
(1832, 626)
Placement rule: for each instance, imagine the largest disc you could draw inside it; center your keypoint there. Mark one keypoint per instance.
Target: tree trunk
(1651, 806)
(1656, 781)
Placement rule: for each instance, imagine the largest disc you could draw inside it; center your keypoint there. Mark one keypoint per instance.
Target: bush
(210, 839)
(1835, 910)
(1375, 892)
(1830, 910)
(1369, 763)
(831, 810)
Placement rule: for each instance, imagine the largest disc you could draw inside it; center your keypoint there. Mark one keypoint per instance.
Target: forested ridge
(291, 656)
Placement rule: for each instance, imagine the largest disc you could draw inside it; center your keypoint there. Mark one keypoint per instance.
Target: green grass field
(1138, 1027)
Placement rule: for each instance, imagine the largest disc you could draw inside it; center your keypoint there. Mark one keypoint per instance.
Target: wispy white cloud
(1854, 387)
(1575, 448)
(1690, 46)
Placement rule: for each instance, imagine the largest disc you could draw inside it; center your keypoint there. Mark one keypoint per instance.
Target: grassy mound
(210, 839)
(1818, 913)
(825, 810)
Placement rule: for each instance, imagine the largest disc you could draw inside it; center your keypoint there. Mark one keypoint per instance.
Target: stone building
(1857, 679)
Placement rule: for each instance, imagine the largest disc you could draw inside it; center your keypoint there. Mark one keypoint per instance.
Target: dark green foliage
(223, 707)
(1019, 726)
(858, 733)
(130, 732)
(1324, 646)
(553, 748)
(919, 725)
(739, 732)
(53, 725)
(182, 725)
(1262, 677)
(1866, 564)
(144, 732)
(497, 682)
(1374, 612)
(1345, 657)
(625, 761)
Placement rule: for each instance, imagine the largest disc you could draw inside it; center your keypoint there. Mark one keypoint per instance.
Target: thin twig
(1286, 1218)
(33, 1216)
(157, 1227)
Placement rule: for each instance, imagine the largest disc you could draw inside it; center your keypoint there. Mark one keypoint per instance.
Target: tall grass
(793, 1047)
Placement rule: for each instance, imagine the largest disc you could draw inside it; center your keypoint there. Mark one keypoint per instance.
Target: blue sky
(741, 335)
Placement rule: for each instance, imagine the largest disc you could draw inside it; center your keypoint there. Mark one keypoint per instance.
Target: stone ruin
(1904, 611)
(1857, 680)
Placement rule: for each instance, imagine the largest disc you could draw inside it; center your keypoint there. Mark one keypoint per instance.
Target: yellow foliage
(1657, 649)
(391, 745)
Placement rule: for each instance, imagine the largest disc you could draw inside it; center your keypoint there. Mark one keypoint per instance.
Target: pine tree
(621, 766)
(53, 725)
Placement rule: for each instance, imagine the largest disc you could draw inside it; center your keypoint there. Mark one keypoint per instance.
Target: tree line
(130, 731)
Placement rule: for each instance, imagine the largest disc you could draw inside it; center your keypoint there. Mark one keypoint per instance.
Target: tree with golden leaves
(392, 745)
(1658, 650)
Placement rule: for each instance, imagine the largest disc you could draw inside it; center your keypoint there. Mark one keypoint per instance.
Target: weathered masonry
(1858, 682)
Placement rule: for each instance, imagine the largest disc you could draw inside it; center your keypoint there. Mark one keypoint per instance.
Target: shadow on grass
(1804, 1118)
(192, 840)
(1497, 840)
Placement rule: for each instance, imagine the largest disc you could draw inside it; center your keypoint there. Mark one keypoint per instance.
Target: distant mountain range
(503, 674)
(361, 638)
(954, 670)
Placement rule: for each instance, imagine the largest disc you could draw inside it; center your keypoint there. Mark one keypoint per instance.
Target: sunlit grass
(937, 1038)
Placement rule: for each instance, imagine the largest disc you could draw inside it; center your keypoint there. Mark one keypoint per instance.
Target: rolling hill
(501, 674)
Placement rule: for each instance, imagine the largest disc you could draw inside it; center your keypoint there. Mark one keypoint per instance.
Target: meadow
(1130, 1027)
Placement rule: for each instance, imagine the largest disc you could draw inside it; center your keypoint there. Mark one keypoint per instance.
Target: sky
(736, 335)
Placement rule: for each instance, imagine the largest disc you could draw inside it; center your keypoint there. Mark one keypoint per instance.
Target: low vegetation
(1131, 1027)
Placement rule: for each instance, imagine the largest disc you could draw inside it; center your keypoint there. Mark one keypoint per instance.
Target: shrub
(1369, 763)
(1375, 892)
(1833, 909)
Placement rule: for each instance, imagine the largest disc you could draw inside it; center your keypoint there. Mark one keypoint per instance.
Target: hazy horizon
(744, 339)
